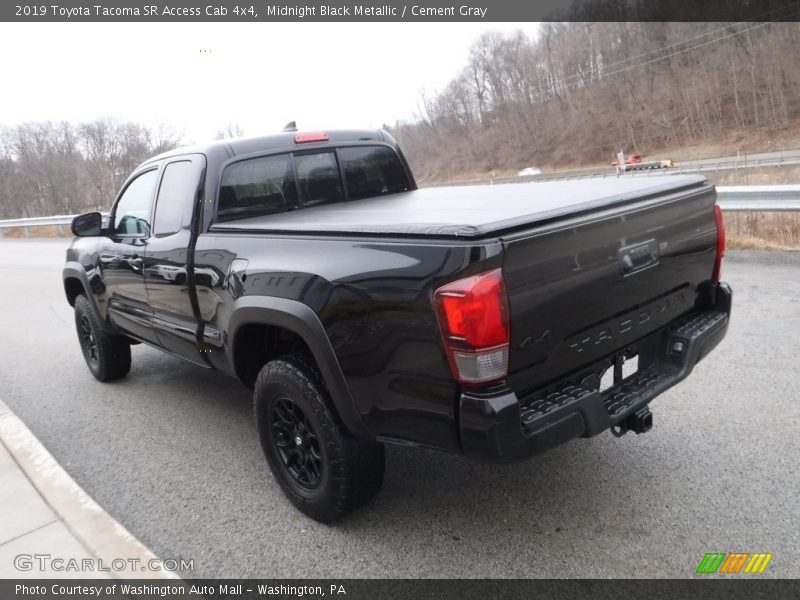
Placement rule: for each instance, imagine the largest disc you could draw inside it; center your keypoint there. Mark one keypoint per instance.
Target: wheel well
(74, 288)
(256, 344)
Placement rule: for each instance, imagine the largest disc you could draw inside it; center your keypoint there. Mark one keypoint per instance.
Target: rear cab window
(257, 187)
(303, 179)
(318, 178)
(372, 171)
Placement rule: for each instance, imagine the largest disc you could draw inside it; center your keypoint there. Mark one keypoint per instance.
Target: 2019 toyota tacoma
(494, 321)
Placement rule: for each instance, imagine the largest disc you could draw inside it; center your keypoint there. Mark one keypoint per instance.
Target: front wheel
(107, 356)
(324, 470)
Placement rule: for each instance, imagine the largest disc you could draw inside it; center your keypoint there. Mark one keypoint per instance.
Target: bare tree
(231, 130)
(48, 168)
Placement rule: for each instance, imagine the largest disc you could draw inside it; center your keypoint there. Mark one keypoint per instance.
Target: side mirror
(88, 225)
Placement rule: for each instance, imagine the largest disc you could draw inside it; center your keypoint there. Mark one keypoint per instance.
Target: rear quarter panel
(374, 300)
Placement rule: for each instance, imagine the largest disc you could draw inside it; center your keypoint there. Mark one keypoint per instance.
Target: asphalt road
(171, 453)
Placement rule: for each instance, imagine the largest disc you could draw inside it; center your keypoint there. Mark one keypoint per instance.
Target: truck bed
(470, 212)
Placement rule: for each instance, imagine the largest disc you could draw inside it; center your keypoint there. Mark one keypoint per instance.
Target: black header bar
(750, 587)
(400, 11)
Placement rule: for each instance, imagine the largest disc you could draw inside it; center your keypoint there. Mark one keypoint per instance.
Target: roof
(278, 141)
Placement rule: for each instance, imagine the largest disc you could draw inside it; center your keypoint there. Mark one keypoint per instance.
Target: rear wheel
(324, 470)
(107, 356)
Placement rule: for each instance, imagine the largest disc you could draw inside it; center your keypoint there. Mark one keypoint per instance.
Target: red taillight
(473, 318)
(715, 276)
(305, 138)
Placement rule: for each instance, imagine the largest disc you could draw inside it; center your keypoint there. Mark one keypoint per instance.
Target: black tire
(107, 356)
(324, 470)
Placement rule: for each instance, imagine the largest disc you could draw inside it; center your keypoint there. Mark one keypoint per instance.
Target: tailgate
(585, 286)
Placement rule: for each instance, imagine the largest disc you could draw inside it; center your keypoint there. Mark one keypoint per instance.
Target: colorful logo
(732, 562)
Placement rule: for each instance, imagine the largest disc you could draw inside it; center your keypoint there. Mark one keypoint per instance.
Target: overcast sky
(259, 75)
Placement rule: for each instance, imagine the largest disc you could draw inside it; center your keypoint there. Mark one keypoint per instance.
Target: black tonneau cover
(468, 211)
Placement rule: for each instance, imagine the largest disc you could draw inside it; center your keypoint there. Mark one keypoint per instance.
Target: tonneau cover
(467, 211)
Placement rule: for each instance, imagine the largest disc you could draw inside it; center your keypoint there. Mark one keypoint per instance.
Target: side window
(175, 198)
(133, 209)
(373, 171)
(255, 187)
(318, 178)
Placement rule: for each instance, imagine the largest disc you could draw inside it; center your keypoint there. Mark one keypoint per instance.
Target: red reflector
(473, 317)
(304, 138)
(715, 276)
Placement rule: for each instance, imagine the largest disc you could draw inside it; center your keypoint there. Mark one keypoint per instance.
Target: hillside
(579, 92)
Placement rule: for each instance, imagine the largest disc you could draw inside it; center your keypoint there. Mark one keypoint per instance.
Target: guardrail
(693, 166)
(55, 226)
(759, 198)
(739, 198)
(702, 166)
(38, 221)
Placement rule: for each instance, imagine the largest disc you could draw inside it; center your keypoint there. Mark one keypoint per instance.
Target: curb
(102, 536)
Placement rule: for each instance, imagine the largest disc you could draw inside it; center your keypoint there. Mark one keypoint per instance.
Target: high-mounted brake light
(304, 138)
(473, 318)
(715, 276)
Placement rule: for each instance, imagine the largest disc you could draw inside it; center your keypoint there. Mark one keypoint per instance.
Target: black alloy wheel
(108, 356)
(296, 443)
(323, 469)
(88, 342)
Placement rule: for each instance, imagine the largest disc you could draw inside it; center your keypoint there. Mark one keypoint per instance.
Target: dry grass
(763, 231)
(37, 231)
(735, 142)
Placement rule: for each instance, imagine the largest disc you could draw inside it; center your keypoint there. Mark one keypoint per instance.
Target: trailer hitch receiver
(639, 422)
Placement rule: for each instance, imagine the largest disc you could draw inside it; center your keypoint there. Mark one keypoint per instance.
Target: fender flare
(74, 270)
(301, 320)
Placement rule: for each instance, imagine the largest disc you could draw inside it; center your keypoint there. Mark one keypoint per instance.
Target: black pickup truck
(494, 321)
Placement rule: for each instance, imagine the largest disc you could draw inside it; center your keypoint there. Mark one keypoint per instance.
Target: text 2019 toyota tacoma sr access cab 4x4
(494, 321)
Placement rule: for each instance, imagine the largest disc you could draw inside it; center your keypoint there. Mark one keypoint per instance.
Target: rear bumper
(497, 425)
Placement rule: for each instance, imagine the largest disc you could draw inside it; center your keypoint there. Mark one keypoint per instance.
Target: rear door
(168, 261)
(121, 256)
